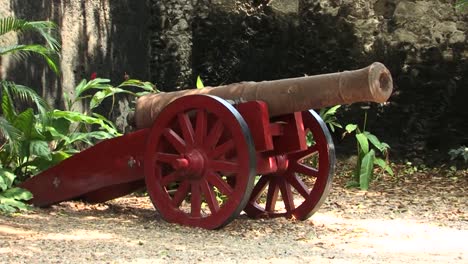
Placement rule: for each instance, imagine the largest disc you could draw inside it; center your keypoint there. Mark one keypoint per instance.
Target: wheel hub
(282, 163)
(192, 164)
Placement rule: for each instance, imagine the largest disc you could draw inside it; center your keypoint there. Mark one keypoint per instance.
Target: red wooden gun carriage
(206, 155)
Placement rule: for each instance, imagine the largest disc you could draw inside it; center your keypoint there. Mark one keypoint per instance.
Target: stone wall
(422, 42)
(171, 42)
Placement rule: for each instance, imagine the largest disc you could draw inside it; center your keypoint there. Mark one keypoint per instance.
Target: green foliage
(329, 117)
(459, 153)
(34, 140)
(47, 29)
(461, 4)
(367, 159)
(200, 84)
(21, 136)
(366, 143)
(11, 198)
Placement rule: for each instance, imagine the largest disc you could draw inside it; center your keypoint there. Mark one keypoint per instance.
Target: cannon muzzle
(371, 84)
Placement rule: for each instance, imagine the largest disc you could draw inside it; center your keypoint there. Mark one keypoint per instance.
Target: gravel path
(407, 222)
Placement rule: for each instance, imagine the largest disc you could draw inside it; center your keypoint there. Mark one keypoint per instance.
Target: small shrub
(459, 153)
(367, 147)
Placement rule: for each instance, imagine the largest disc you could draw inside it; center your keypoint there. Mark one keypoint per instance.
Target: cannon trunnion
(204, 160)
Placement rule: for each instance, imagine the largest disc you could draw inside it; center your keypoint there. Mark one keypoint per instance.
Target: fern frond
(47, 29)
(25, 94)
(9, 24)
(23, 51)
(9, 133)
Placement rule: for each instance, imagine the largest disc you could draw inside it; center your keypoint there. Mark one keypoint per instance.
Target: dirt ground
(418, 218)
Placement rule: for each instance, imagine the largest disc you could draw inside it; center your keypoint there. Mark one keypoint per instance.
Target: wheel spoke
(200, 126)
(176, 141)
(166, 157)
(180, 194)
(170, 178)
(210, 197)
(186, 127)
(195, 200)
(298, 184)
(305, 153)
(222, 149)
(215, 134)
(287, 195)
(272, 196)
(304, 169)
(216, 180)
(258, 189)
(224, 166)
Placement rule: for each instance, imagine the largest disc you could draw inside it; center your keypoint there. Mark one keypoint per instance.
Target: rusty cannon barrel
(370, 84)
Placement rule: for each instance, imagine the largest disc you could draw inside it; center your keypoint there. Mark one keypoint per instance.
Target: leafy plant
(329, 117)
(34, 141)
(20, 138)
(71, 130)
(11, 198)
(367, 159)
(461, 152)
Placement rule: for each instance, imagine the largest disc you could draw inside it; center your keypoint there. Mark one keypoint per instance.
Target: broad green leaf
(331, 111)
(42, 164)
(3, 185)
(8, 109)
(200, 84)
(376, 142)
(6, 179)
(6, 208)
(385, 147)
(80, 88)
(367, 166)
(98, 83)
(56, 135)
(61, 125)
(140, 94)
(75, 117)
(107, 125)
(40, 148)
(99, 97)
(350, 128)
(9, 202)
(25, 122)
(147, 86)
(363, 142)
(17, 194)
(384, 165)
(88, 137)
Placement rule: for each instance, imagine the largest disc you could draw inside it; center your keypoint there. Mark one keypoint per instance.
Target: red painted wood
(114, 191)
(255, 114)
(292, 135)
(110, 162)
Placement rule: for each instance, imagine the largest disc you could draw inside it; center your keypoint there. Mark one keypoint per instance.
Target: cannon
(206, 155)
